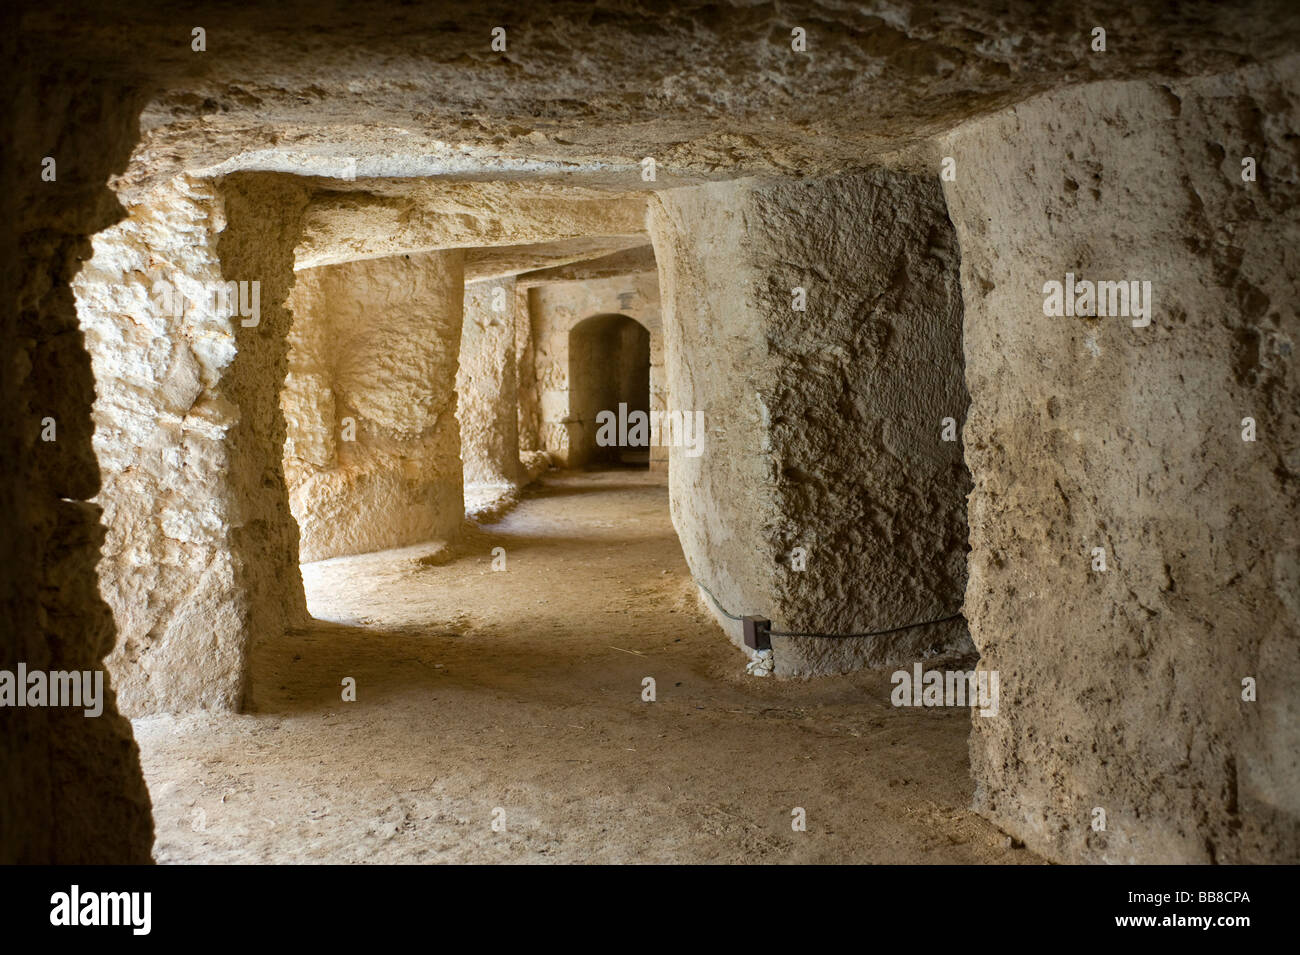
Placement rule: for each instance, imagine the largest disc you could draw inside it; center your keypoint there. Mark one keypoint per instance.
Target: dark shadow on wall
(609, 371)
(71, 788)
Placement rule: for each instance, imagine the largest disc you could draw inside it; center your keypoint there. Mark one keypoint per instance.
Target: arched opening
(609, 392)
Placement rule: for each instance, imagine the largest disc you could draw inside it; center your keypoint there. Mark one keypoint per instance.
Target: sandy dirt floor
(479, 690)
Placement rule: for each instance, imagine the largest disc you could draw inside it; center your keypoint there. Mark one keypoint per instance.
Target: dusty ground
(522, 690)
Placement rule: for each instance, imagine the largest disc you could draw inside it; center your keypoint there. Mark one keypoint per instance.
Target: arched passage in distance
(609, 370)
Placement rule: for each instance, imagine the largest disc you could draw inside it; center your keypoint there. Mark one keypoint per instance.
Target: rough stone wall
(71, 787)
(717, 362)
(660, 451)
(264, 215)
(487, 396)
(824, 423)
(71, 790)
(1122, 689)
(376, 342)
(554, 309)
(504, 261)
(423, 216)
(865, 376)
(161, 424)
(529, 421)
(200, 554)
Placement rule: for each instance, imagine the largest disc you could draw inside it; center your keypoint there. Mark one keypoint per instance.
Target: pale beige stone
(375, 346)
(1088, 432)
(486, 386)
(311, 138)
(567, 409)
(823, 423)
(200, 552)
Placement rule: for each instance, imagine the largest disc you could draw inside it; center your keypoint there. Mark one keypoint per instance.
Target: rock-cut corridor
(522, 690)
(618, 432)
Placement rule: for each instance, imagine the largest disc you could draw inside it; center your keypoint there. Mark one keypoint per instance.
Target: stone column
(817, 326)
(1096, 444)
(659, 401)
(529, 416)
(488, 405)
(201, 550)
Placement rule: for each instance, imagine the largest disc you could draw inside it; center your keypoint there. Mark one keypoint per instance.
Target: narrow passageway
(522, 690)
(965, 337)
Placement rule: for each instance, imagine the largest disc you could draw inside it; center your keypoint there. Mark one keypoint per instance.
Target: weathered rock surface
(1123, 689)
(496, 218)
(818, 327)
(486, 386)
(640, 258)
(868, 494)
(71, 790)
(200, 554)
(711, 90)
(716, 360)
(312, 137)
(373, 457)
(501, 261)
(529, 415)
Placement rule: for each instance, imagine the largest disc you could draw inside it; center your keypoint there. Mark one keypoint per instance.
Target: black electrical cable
(874, 633)
(829, 636)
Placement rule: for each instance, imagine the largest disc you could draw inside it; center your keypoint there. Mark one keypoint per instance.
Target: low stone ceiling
(342, 226)
(632, 261)
(492, 263)
(584, 91)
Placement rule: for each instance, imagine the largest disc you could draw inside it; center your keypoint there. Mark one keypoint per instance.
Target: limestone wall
(824, 422)
(263, 222)
(1122, 688)
(373, 451)
(717, 362)
(200, 557)
(529, 420)
(865, 484)
(486, 385)
(473, 215)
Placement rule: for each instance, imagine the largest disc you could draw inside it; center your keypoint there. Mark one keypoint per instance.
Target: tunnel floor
(521, 690)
